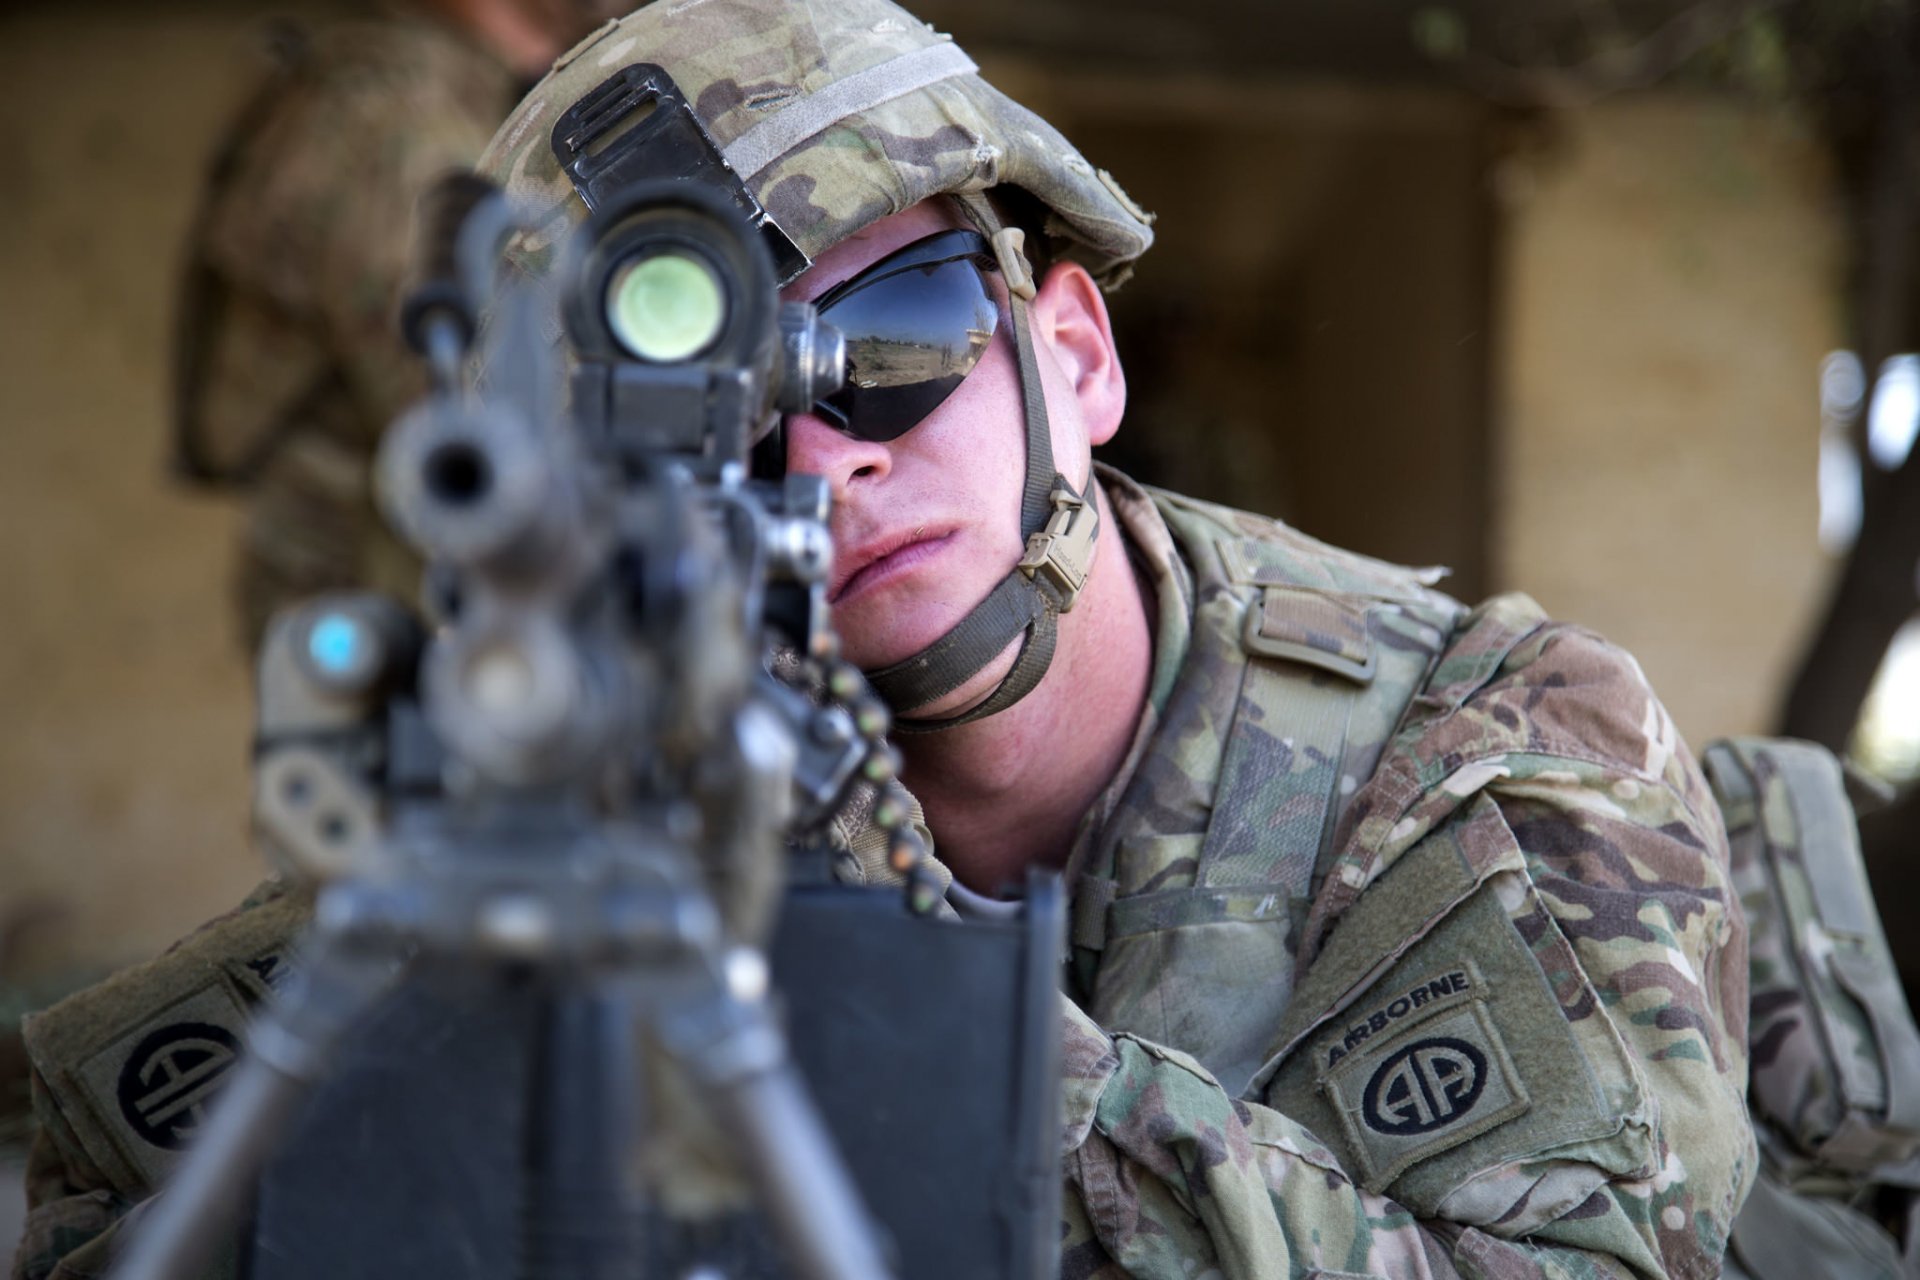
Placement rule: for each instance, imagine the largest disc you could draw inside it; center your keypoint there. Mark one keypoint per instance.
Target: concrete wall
(1309, 336)
(122, 762)
(1671, 275)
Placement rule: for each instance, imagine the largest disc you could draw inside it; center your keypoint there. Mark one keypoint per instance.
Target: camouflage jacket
(1438, 894)
(1406, 946)
(289, 363)
(123, 1071)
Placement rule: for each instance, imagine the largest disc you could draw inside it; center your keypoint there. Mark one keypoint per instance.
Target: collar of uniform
(1150, 543)
(1151, 546)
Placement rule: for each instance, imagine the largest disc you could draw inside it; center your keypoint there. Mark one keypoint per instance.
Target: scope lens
(666, 307)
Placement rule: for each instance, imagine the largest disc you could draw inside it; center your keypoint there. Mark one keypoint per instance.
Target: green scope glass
(666, 307)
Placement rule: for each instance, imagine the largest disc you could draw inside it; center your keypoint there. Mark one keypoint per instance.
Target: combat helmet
(835, 114)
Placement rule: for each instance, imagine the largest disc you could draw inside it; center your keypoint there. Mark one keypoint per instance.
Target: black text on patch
(1442, 989)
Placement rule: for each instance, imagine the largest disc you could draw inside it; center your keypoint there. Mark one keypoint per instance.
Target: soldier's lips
(876, 564)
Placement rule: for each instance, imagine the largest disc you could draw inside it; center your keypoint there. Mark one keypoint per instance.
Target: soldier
(287, 369)
(1402, 940)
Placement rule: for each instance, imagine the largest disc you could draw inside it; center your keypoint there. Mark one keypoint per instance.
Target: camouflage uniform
(1449, 980)
(122, 1071)
(1492, 856)
(1404, 943)
(290, 365)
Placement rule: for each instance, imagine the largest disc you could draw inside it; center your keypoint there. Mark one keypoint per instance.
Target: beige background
(1671, 284)
(122, 764)
(1665, 279)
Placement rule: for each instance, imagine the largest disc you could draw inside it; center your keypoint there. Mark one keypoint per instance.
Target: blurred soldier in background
(288, 364)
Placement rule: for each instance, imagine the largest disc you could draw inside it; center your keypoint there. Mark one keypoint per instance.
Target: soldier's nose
(815, 448)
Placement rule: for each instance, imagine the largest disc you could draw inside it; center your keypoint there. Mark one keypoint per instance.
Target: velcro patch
(1427, 1086)
(151, 1086)
(1322, 630)
(133, 1063)
(1434, 1084)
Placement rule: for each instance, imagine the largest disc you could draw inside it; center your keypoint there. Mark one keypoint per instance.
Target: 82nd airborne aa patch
(1424, 1081)
(149, 1088)
(169, 1079)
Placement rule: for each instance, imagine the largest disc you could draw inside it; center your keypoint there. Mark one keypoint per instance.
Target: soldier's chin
(872, 648)
(879, 631)
(903, 645)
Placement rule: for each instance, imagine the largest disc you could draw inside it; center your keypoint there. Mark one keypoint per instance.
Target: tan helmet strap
(1060, 527)
(814, 113)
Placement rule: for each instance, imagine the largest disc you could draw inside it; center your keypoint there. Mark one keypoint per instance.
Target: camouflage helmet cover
(836, 113)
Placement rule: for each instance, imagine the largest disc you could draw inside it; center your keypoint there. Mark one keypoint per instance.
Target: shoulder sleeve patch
(1461, 1055)
(1425, 1088)
(133, 1063)
(146, 1091)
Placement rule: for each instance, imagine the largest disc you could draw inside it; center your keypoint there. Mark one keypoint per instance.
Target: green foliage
(1761, 56)
(1791, 52)
(1440, 32)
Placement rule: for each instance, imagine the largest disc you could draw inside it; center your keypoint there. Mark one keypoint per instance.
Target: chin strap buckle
(1060, 556)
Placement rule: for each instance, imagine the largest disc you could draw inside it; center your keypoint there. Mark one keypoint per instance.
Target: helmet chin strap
(1060, 527)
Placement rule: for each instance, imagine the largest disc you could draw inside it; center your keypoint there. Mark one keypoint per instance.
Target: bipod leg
(288, 1050)
(737, 1055)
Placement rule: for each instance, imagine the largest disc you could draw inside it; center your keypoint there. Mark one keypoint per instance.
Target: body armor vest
(1302, 661)
(1360, 953)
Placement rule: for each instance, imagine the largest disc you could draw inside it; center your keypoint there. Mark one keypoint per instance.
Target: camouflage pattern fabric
(744, 64)
(75, 1222)
(1534, 817)
(1836, 1065)
(122, 1071)
(1531, 880)
(290, 359)
(1787, 1233)
(1835, 1090)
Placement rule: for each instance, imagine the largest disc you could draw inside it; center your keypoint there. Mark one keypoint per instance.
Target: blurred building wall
(123, 758)
(1309, 336)
(1671, 275)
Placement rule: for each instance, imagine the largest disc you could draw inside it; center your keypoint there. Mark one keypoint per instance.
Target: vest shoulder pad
(1259, 551)
(1306, 601)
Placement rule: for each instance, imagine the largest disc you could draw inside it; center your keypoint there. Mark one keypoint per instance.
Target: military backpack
(1834, 1084)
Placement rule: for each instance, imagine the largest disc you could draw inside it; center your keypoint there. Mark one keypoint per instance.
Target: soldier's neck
(1008, 792)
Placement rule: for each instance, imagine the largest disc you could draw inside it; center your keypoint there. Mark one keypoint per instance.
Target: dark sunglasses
(916, 323)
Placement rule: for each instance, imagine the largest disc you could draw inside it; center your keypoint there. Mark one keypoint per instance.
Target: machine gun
(569, 843)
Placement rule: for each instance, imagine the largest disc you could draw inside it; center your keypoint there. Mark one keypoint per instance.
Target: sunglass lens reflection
(912, 338)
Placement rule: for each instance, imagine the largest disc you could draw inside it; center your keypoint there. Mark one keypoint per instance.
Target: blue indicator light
(335, 645)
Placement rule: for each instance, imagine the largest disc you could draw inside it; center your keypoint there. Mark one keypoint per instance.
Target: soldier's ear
(1070, 320)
